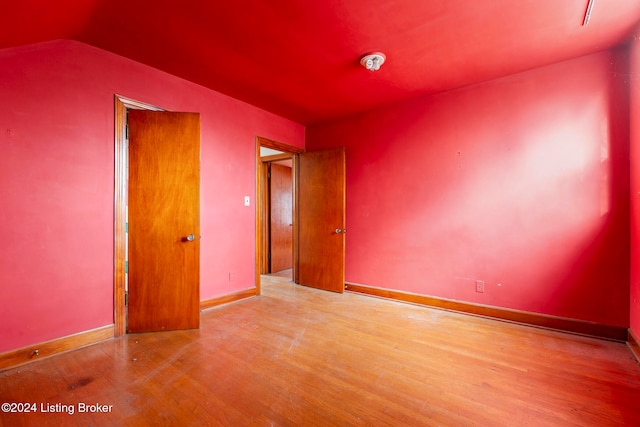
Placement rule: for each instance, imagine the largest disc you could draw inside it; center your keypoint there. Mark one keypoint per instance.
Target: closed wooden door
(281, 217)
(164, 221)
(321, 219)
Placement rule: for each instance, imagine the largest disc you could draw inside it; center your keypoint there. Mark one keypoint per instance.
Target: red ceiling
(300, 58)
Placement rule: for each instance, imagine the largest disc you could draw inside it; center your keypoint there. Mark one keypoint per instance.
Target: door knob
(339, 230)
(190, 237)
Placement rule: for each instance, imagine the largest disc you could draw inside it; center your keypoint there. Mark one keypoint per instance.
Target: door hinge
(126, 298)
(269, 255)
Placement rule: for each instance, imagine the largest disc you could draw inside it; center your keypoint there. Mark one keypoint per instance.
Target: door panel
(281, 218)
(164, 209)
(321, 211)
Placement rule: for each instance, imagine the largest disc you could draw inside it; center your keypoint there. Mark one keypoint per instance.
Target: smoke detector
(373, 61)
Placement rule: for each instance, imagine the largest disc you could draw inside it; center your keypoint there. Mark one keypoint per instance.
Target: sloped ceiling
(300, 58)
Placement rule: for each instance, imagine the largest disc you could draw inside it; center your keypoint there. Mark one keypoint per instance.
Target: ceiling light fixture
(373, 61)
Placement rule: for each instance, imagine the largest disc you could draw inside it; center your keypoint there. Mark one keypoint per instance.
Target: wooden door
(321, 219)
(164, 221)
(281, 220)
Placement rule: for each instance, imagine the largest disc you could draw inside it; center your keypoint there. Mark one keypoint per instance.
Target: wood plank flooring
(296, 356)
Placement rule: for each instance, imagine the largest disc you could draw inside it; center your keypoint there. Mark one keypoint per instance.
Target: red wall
(635, 186)
(521, 182)
(57, 180)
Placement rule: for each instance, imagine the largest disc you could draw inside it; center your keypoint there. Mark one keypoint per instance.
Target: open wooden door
(164, 221)
(321, 219)
(281, 220)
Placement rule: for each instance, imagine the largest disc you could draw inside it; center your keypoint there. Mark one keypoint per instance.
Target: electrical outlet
(480, 286)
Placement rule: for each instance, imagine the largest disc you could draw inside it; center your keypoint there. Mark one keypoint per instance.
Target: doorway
(269, 154)
(280, 229)
(318, 220)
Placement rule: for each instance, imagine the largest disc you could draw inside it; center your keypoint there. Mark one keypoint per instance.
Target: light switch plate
(247, 200)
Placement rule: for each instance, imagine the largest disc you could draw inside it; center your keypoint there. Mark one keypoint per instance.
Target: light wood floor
(302, 357)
